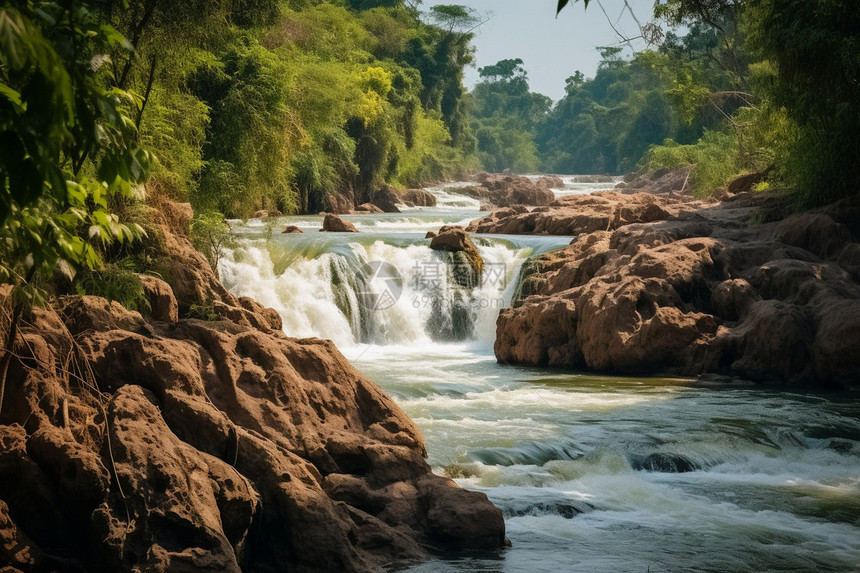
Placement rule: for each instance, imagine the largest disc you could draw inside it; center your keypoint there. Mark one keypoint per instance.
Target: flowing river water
(592, 473)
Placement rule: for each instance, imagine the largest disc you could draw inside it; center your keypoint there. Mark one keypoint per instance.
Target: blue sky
(552, 49)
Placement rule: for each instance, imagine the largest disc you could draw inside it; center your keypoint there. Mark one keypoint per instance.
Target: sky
(551, 49)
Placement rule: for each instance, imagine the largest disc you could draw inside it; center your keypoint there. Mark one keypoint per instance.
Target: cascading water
(592, 473)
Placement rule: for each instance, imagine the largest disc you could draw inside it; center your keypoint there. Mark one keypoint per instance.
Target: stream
(592, 473)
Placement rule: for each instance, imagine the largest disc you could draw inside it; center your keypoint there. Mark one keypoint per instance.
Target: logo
(381, 285)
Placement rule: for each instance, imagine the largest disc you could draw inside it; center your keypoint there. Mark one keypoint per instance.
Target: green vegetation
(752, 85)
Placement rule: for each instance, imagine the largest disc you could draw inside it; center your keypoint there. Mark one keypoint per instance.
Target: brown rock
(291, 229)
(210, 446)
(367, 209)
(418, 197)
(386, 199)
(454, 239)
(339, 202)
(816, 232)
(747, 182)
(703, 290)
(162, 303)
(335, 224)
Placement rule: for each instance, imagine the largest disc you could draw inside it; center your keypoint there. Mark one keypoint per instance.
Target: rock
(746, 182)
(509, 190)
(816, 232)
(660, 182)
(731, 299)
(211, 446)
(367, 209)
(575, 214)
(697, 289)
(162, 303)
(454, 239)
(266, 213)
(291, 229)
(418, 197)
(335, 224)
(386, 199)
(594, 179)
(339, 202)
(430, 235)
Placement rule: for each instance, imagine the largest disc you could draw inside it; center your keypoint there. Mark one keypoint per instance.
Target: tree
(67, 144)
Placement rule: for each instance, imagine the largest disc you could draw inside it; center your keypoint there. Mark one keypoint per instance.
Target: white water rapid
(592, 473)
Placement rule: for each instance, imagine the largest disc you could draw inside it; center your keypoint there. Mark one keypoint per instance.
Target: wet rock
(291, 229)
(430, 235)
(509, 190)
(664, 463)
(367, 209)
(386, 199)
(418, 197)
(335, 224)
(455, 240)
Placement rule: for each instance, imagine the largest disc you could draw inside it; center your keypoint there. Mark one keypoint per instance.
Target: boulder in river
(291, 229)
(455, 239)
(335, 224)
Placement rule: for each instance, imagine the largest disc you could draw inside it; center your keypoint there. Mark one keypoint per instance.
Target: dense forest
(281, 105)
(729, 86)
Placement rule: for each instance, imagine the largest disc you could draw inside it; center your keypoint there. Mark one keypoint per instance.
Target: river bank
(152, 442)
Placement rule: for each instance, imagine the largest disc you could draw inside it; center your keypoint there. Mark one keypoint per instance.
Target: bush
(712, 157)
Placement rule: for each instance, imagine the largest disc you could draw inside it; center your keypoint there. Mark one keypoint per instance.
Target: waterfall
(366, 290)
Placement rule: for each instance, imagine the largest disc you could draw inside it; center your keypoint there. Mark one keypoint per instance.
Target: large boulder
(335, 224)
(386, 199)
(454, 239)
(417, 197)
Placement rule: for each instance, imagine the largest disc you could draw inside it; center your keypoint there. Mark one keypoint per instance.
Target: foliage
(68, 142)
(711, 159)
(114, 283)
(212, 235)
(813, 46)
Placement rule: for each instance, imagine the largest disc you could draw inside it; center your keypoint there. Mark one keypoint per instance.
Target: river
(592, 473)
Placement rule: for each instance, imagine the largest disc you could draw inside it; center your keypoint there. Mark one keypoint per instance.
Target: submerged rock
(290, 229)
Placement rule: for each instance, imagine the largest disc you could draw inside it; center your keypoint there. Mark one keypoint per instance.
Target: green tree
(67, 144)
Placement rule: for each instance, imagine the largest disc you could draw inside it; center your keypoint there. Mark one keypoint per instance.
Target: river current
(592, 473)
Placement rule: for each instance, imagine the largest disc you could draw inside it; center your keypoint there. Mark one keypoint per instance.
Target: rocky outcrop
(508, 190)
(291, 229)
(367, 209)
(661, 182)
(134, 443)
(417, 198)
(575, 214)
(335, 224)
(454, 239)
(386, 199)
(337, 202)
(670, 285)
